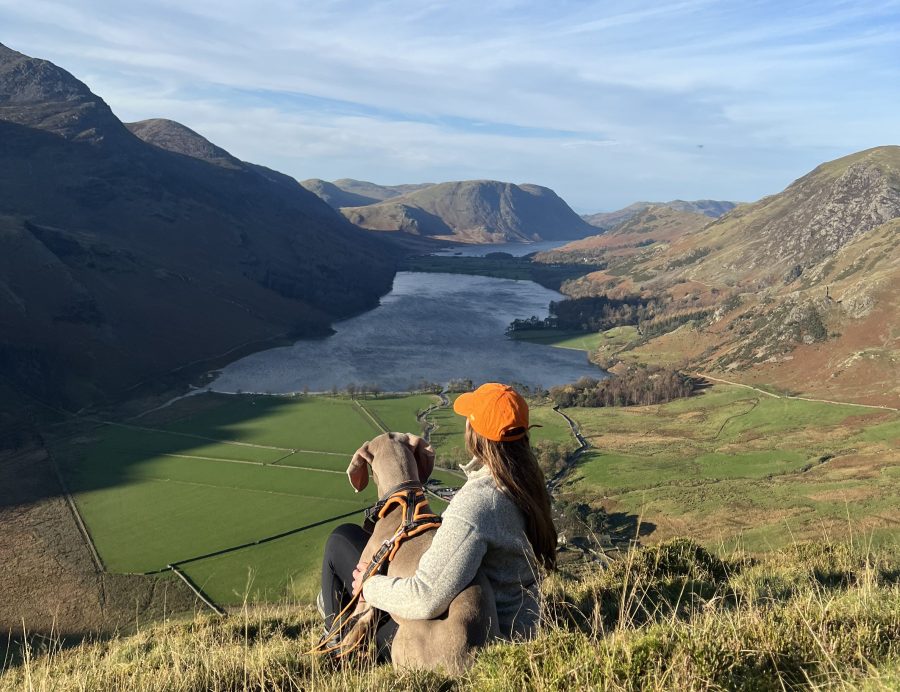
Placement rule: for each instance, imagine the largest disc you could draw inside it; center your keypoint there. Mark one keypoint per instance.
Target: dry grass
(672, 617)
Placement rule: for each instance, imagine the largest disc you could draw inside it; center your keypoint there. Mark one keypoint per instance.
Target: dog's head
(394, 458)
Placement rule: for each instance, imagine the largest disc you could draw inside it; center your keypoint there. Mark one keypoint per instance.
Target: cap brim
(463, 403)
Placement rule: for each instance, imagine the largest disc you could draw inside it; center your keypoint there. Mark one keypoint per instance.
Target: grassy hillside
(741, 467)
(674, 617)
(798, 290)
(610, 219)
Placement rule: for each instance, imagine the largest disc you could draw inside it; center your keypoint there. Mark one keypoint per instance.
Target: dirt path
(571, 460)
(428, 426)
(798, 398)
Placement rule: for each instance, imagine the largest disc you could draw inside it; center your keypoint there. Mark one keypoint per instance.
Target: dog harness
(417, 518)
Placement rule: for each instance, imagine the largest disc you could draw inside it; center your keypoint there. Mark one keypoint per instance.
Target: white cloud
(393, 90)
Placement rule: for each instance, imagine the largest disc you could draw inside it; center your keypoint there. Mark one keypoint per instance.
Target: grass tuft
(671, 617)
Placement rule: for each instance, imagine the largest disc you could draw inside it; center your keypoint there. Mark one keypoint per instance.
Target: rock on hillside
(38, 94)
(173, 136)
(708, 207)
(475, 211)
(822, 211)
(123, 259)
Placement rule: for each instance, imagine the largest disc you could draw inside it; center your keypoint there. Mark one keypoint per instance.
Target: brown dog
(450, 640)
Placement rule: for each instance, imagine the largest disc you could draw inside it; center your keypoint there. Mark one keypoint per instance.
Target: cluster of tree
(583, 526)
(354, 390)
(810, 326)
(663, 325)
(590, 314)
(597, 313)
(689, 258)
(639, 386)
(582, 515)
(552, 456)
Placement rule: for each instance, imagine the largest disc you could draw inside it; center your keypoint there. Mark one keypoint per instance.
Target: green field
(735, 466)
(611, 339)
(214, 472)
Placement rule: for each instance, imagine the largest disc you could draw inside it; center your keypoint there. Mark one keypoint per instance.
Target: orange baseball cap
(495, 411)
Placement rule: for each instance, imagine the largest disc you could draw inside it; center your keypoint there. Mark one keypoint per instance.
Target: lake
(433, 327)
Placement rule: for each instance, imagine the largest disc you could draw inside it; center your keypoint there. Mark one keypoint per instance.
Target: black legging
(342, 551)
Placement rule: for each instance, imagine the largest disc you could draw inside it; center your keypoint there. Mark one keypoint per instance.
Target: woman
(499, 523)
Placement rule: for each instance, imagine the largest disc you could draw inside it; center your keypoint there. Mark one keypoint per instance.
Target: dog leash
(417, 518)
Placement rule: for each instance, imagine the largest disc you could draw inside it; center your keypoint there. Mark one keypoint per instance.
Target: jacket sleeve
(445, 569)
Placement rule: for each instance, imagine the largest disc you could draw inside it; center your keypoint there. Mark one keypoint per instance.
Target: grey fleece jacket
(482, 530)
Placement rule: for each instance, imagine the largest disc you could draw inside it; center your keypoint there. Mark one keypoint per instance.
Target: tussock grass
(671, 617)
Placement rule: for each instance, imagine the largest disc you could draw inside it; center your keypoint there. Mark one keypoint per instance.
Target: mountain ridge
(124, 259)
(708, 207)
(475, 211)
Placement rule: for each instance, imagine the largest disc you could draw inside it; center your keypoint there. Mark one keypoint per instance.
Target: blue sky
(605, 102)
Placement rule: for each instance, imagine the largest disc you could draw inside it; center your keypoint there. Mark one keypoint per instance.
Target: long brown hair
(514, 468)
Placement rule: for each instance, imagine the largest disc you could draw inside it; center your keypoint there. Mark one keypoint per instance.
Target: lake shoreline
(431, 327)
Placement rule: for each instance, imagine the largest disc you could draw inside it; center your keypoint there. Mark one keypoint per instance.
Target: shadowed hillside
(122, 259)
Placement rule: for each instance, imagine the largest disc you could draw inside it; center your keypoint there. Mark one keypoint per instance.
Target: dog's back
(450, 639)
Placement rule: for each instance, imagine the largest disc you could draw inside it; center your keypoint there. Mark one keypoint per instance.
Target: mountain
(708, 207)
(334, 196)
(651, 225)
(347, 192)
(376, 191)
(175, 137)
(800, 288)
(128, 252)
(475, 211)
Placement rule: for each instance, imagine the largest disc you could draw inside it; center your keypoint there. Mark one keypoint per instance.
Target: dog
(450, 640)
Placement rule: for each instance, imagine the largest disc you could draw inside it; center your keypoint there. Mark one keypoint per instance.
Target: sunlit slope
(479, 211)
(799, 288)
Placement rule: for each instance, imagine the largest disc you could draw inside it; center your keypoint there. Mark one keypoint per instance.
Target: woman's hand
(358, 575)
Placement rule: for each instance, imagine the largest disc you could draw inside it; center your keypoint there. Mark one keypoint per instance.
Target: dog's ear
(424, 454)
(358, 471)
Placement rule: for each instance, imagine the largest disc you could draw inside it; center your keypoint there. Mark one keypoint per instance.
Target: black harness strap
(372, 512)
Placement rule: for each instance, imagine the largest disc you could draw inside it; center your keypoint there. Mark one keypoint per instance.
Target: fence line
(197, 591)
(82, 527)
(259, 541)
(377, 421)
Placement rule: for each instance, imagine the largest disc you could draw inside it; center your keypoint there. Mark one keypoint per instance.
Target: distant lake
(433, 327)
(514, 249)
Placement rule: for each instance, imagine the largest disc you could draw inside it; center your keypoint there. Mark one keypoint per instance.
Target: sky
(605, 102)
